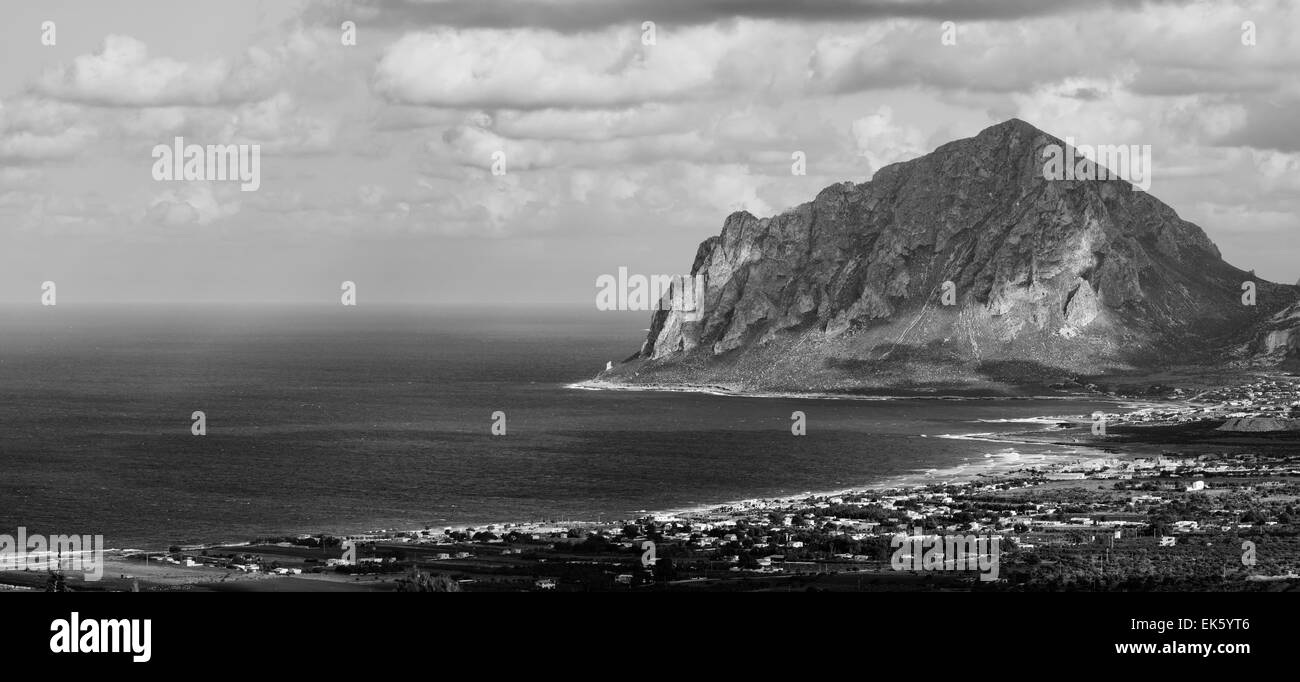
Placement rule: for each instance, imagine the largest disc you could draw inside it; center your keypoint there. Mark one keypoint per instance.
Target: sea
(345, 419)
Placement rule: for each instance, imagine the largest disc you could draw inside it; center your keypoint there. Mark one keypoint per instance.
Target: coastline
(1037, 458)
(1067, 435)
(999, 463)
(734, 392)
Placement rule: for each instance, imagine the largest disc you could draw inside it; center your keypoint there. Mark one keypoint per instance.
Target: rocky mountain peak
(963, 265)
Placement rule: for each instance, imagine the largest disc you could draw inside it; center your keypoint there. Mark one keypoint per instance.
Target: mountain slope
(1049, 279)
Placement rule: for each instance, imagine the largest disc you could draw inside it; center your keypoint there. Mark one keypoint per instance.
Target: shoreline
(597, 384)
(1003, 462)
(1082, 448)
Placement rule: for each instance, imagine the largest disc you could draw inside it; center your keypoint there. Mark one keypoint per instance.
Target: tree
(56, 583)
(419, 581)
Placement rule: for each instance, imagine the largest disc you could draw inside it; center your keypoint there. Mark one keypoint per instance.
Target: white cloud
(527, 69)
(190, 204)
(26, 146)
(882, 141)
(279, 124)
(122, 73)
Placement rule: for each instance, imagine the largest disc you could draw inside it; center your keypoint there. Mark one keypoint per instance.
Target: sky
(625, 144)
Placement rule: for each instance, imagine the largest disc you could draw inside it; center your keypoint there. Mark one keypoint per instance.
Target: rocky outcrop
(1277, 340)
(959, 267)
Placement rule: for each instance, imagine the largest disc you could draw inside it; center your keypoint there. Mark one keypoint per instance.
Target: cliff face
(960, 267)
(1277, 340)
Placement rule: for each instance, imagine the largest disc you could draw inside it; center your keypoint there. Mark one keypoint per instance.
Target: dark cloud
(585, 15)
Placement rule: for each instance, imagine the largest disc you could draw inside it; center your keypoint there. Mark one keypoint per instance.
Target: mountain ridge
(962, 267)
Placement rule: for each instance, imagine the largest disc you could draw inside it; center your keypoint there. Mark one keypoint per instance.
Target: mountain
(963, 268)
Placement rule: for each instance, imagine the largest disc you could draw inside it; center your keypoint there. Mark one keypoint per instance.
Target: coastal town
(1222, 516)
(1261, 404)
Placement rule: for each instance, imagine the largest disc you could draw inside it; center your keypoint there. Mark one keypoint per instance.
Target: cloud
(474, 147)
(28, 147)
(1280, 171)
(576, 16)
(591, 124)
(1267, 125)
(606, 137)
(528, 69)
(1154, 49)
(194, 203)
(279, 124)
(122, 73)
(36, 131)
(882, 141)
